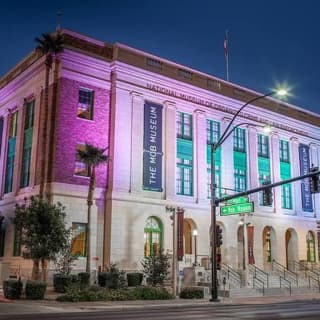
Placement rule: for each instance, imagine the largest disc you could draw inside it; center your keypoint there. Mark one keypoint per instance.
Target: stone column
(200, 156)
(170, 150)
(227, 165)
(136, 164)
(275, 170)
(253, 181)
(296, 186)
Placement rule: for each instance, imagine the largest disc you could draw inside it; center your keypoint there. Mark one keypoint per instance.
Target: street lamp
(195, 234)
(214, 146)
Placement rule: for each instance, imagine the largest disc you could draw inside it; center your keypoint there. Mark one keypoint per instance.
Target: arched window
(152, 237)
(311, 257)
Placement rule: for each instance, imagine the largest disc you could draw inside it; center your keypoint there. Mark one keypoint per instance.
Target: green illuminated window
(27, 145)
(11, 152)
(311, 256)
(285, 173)
(152, 237)
(239, 140)
(263, 146)
(264, 175)
(213, 135)
(184, 125)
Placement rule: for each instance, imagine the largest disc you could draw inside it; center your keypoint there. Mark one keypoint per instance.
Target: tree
(156, 268)
(92, 156)
(43, 231)
(49, 45)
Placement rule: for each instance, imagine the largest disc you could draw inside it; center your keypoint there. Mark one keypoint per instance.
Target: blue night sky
(270, 42)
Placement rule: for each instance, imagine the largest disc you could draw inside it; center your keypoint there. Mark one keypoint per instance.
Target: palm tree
(49, 45)
(92, 156)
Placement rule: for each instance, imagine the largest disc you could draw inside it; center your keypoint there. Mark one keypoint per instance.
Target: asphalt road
(287, 310)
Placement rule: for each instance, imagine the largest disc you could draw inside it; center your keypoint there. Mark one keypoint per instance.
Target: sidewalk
(120, 305)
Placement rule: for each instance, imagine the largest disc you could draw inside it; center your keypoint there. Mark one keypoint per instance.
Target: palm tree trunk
(48, 64)
(90, 203)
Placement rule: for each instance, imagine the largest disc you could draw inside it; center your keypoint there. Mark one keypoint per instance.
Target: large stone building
(158, 120)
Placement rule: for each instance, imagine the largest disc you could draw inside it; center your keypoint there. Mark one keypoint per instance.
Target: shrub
(112, 278)
(12, 289)
(35, 290)
(156, 268)
(192, 293)
(84, 279)
(150, 293)
(134, 279)
(62, 281)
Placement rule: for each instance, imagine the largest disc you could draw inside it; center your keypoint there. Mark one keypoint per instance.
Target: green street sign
(237, 208)
(238, 200)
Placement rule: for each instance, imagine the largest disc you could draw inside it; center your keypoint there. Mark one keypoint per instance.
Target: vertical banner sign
(250, 234)
(152, 147)
(306, 195)
(318, 235)
(180, 218)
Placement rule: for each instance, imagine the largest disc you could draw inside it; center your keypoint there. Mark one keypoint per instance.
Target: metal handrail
(259, 281)
(257, 272)
(315, 280)
(287, 274)
(283, 280)
(300, 266)
(231, 273)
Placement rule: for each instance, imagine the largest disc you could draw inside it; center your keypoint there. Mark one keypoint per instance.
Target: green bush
(191, 293)
(35, 290)
(12, 289)
(93, 293)
(150, 293)
(62, 281)
(84, 279)
(134, 279)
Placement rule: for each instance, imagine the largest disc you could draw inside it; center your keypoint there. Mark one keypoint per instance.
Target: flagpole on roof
(226, 52)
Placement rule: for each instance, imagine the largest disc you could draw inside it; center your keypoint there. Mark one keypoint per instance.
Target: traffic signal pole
(264, 187)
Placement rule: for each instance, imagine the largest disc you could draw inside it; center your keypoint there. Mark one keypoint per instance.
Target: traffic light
(218, 260)
(314, 181)
(267, 196)
(218, 236)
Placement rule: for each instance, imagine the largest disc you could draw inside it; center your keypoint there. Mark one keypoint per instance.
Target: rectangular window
(184, 125)
(17, 243)
(239, 140)
(80, 169)
(213, 131)
(286, 198)
(79, 234)
(263, 178)
(263, 146)
(185, 74)
(11, 152)
(284, 151)
(27, 145)
(285, 173)
(85, 104)
(240, 180)
(184, 177)
(184, 167)
(154, 63)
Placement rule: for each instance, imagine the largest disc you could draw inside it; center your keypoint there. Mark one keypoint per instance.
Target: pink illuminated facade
(157, 119)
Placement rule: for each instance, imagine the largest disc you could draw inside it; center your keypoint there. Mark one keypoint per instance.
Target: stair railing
(258, 284)
(259, 274)
(311, 280)
(287, 274)
(231, 274)
(285, 283)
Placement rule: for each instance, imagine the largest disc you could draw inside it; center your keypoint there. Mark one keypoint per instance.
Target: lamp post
(195, 234)
(214, 146)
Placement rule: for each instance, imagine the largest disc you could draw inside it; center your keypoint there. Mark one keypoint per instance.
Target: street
(285, 310)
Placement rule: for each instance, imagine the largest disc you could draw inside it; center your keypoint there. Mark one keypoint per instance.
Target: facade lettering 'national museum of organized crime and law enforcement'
(158, 120)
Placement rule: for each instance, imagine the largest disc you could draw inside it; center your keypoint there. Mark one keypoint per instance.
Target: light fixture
(195, 232)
